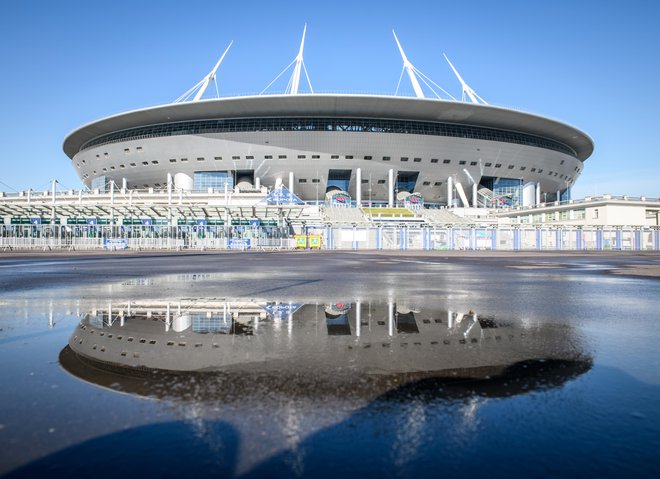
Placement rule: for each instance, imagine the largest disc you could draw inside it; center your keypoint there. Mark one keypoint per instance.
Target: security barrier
(463, 238)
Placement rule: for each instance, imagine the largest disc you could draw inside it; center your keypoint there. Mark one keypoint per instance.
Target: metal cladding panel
(355, 106)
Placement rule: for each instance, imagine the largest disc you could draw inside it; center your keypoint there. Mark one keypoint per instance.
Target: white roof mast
(410, 69)
(294, 81)
(203, 84)
(472, 95)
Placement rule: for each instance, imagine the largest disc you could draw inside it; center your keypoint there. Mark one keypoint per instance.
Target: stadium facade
(382, 150)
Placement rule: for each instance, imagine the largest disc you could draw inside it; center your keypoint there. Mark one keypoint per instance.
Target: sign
(280, 310)
(340, 198)
(238, 243)
(115, 243)
(414, 200)
(91, 221)
(301, 241)
(35, 221)
(147, 221)
(201, 222)
(282, 196)
(255, 222)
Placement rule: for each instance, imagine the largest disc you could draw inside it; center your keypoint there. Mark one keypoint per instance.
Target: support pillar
(475, 200)
(358, 319)
(124, 184)
(450, 191)
(257, 183)
(390, 318)
(291, 181)
(358, 187)
(390, 188)
(538, 193)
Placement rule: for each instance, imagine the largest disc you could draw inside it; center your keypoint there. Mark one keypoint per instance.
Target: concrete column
(54, 187)
(112, 202)
(450, 191)
(358, 318)
(124, 184)
(475, 201)
(291, 181)
(558, 195)
(183, 181)
(390, 188)
(538, 193)
(278, 183)
(358, 187)
(528, 194)
(169, 188)
(257, 183)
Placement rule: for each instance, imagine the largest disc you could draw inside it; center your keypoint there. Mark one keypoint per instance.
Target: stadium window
(83, 162)
(105, 169)
(302, 180)
(235, 157)
(334, 157)
(268, 157)
(427, 183)
(523, 168)
(540, 170)
(282, 157)
(386, 158)
(462, 162)
(105, 153)
(200, 159)
(549, 173)
(368, 157)
(132, 164)
(511, 167)
(315, 180)
(434, 160)
(301, 157)
(446, 162)
(349, 157)
(365, 181)
(154, 162)
(145, 163)
(417, 160)
(139, 148)
(127, 150)
(217, 158)
(533, 170)
(561, 162)
(183, 160)
(381, 182)
(404, 158)
(112, 167)
(488, 165)
(473, 163)
(122, 166)
(98, 156)
(437, 183)
(249, 157)
(498, 165)
(172, 160)
(316, 157)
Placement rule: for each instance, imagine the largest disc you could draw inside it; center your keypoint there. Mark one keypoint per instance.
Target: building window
(105, 169)
(217, 158)
(154, 162)
(404, 158)
(132, 164)
(200, 158)
(561, 162)
(334, 157)
(427, 183)
(473, 163)
(172, 160)
(434, 160)
(112, 167)
(381, 182)
(437, 183)
(139, 148)
(349, 157)
(386, 158)
(488, 165)
(595, 215)
(417, 160)
(268, 157)
(183, 160)
(126, 150)
(446, 161)
(203, 180)
(122, 166)
(302, 180)
(316, 157)
(235, 157)
(533, 170)
(282, 157)
(315, 180)
(145, 163)
(249, 157)
(301, 157)
(498, 165)
(540, 170)
(462, 162)
(511, 167)
(367, 157)
(365, 181)
(523, 168)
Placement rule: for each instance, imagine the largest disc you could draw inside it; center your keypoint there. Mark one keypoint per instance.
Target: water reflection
(366, 349)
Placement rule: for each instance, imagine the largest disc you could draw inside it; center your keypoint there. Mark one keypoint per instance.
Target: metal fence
(49, 237)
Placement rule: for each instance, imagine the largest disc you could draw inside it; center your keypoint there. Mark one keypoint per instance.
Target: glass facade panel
(99, 183)
(506, 191)
(212, 179)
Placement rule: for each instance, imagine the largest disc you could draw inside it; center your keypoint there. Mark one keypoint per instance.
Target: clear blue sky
(593, 64)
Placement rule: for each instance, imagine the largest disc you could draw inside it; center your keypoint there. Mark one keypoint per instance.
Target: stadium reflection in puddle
(361, 349)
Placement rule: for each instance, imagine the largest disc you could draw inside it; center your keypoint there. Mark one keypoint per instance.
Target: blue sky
(592, 64)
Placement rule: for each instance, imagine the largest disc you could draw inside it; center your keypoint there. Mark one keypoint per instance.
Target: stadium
(368, 149)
